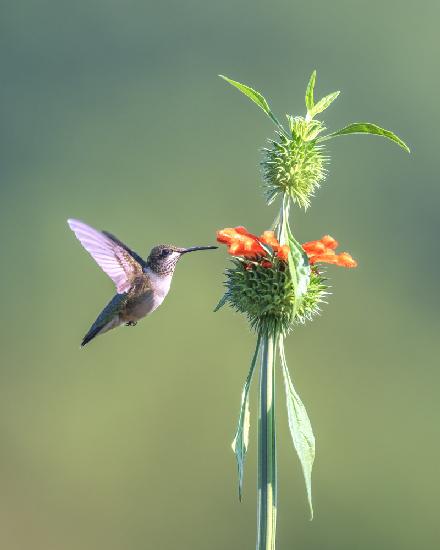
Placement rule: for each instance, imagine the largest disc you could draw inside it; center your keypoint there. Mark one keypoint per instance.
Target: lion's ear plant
(278, 283)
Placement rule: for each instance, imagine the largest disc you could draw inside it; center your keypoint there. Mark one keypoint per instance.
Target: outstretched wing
(120, 263)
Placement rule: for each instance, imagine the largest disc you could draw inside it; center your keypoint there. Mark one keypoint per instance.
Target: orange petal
(243, 231)
(235, 248)
(329, 258)
(268, 237)
(283, 252)
(345, 260)
(221, 238)
(226, 235)
(329, 242)
(251, 245)
(314, 247)
(316, 256)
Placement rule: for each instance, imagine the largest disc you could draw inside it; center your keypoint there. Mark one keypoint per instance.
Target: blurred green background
(112, 112)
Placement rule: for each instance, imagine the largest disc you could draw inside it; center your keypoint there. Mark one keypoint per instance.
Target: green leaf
(241, 439)
(300, 428)
(298, 261)
(323, 104)
(367, 128)
(302, 267)
(310, 102)
(256, 97)
(252, 94)
(298, 265)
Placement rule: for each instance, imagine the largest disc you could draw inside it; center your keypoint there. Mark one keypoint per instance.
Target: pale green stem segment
(282, 221)
(267, 467)
(241, 439)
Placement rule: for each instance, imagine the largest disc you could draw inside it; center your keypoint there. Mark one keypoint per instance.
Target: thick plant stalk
(267, 467)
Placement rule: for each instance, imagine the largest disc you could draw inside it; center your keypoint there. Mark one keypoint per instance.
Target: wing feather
(120, 263)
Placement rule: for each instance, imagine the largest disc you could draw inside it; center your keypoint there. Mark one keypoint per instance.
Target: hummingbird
(141, 285)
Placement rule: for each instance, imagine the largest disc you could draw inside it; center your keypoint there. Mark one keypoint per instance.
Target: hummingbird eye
(165, 252)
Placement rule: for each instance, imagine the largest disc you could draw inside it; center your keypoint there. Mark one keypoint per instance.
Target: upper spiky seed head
(295, 165)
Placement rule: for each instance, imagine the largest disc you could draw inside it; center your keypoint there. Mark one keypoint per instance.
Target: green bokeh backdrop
(112, 112)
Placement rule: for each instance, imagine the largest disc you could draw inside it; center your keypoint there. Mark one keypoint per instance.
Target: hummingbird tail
(107, 319)
(99, 328)
(94, 331)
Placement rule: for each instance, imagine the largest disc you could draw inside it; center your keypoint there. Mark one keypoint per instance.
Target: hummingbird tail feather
(99, 328)
(107, 319)
(94, 331)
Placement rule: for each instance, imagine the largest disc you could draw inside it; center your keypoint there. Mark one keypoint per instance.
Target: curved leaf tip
(367, 128)
(256, 97)
(323, 103)
(310, 101)
(252, 94)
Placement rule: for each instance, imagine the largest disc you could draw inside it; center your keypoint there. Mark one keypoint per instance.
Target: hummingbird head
(164, 257)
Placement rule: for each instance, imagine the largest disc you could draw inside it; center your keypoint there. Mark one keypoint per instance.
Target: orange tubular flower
(242, 243)
(324, 251)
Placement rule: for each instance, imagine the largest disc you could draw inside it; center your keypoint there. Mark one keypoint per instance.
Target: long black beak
(194, 248)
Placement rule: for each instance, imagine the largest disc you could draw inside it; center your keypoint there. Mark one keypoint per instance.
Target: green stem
(282, 222)
(267, 467)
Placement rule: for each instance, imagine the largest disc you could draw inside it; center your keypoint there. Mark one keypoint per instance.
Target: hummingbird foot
(131, 324)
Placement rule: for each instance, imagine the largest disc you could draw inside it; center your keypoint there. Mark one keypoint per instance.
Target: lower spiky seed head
(265, 293)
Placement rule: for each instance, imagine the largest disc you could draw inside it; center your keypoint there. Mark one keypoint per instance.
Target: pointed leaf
(297, 259)
(252, 94)
(241, 439)
(256, 97)
(302, 267)
(323, 104)
(310, 102)
(300, 428)
(367, 128)
(298, 265)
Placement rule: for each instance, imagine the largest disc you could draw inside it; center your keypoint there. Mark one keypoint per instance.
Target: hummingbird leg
(131, 324)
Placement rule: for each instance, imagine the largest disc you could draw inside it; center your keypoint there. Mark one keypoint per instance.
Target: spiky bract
(317, 289)
(295, 164)
(266, 295)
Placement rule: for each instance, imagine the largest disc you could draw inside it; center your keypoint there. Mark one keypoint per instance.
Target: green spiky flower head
(266, 295)
(273, 285)
(294, 164)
